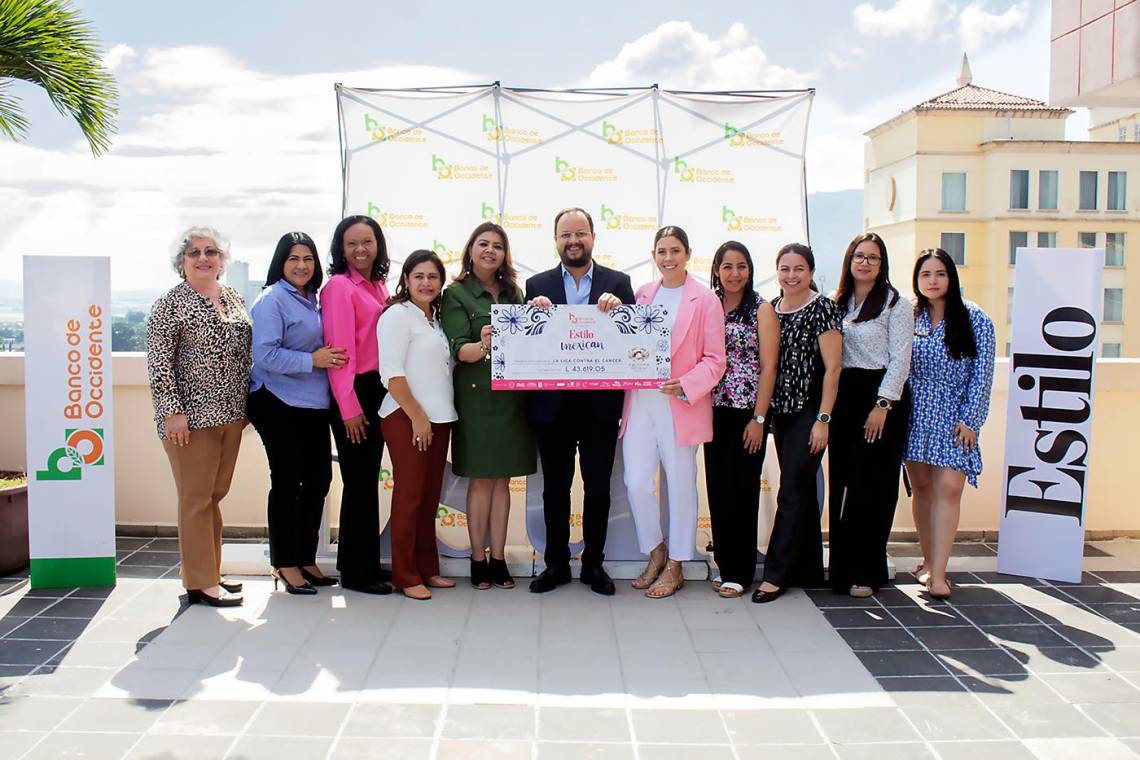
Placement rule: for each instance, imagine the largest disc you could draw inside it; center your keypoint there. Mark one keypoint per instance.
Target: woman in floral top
(198, 359)
(807, 378)
(734, 457)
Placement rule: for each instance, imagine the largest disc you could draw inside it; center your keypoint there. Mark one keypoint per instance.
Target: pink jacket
(698, 360)
(350, 309)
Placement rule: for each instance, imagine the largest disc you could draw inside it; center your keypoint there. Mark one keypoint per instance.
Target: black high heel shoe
(319, 580)
(305, 590)
(500, 574)
(196, 595)
(480, 574)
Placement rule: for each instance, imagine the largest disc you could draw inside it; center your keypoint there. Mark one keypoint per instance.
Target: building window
(1110, 351)
(1114, 249)
(1046, 239)
(1114, 304)
(1007, 348)
(1117, 191)
(1018, 188)
(1047, 190)
(953, 191)
(954, 243)
(1086, 240)
(1087, 200)
(1136, 132)
(1008, 308)
(1017, 240)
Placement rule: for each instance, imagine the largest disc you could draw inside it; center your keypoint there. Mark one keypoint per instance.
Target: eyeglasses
(210, 253)
(860, 258)
(575, 235)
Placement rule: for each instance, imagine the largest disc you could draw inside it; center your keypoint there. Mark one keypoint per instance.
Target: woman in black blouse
(807, 377)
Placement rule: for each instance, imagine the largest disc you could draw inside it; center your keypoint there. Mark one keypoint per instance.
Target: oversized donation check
(578, 347)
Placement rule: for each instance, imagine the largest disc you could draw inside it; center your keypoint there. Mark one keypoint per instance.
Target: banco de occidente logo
(571, 172)
(493, 130)
(701, 175)
(83, 447)
(740, 138)
(446, 170)
(378, 132)
(734, 222)
(388, 218)
(615, 135)
(489, 213)
(615, 221)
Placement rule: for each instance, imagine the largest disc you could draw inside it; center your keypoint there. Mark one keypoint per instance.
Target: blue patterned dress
(947, 391)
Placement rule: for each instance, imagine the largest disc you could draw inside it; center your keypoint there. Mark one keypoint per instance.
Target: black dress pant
(358, 548)
(576, 430)
(864, 482)
(732, 482)
(795, 550)
(297, 446)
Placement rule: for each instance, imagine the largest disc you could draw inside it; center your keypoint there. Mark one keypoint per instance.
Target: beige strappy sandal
(669, 582)
(657, 559)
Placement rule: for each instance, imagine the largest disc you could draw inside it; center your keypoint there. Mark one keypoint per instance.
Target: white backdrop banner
(1056, 311)
(431, 164)
(67, 388)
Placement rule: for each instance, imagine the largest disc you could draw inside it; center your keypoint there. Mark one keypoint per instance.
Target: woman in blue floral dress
(951, 373)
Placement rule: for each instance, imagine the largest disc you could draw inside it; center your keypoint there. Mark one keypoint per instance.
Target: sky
(228, 115)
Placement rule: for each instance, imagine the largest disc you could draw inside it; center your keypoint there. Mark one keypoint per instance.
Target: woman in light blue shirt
(288, 404)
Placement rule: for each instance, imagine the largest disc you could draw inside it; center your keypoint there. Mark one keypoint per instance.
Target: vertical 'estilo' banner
(67, 388)
(1056, 313)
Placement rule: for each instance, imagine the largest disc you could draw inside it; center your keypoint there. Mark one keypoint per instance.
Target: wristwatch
(824, 417)
(758, 418)
(883, 403)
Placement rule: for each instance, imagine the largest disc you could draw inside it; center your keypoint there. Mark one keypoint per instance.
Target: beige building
(980, 173)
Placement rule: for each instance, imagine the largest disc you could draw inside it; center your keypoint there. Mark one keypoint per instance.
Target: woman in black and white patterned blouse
(871, 411)
(198, 357)
(807, 377)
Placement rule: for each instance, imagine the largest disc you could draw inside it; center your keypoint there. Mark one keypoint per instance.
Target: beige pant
(202, 472)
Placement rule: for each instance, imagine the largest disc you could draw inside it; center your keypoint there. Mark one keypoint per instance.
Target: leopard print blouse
(198, 360)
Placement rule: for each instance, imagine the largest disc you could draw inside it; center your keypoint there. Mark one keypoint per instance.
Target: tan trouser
(202, 472)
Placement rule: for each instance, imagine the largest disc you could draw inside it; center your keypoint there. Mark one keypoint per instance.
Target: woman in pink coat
(664, 427)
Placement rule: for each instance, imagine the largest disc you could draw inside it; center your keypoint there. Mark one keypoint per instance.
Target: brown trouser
(202, 472)
(415, 498)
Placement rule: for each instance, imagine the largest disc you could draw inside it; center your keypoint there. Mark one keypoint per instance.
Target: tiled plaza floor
(1011, 668)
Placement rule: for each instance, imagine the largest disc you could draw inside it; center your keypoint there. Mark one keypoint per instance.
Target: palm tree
(47, 43)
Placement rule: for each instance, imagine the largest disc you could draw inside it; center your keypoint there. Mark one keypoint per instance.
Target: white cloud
(976, 24)
(208, 140)
(915, 18)
(117, 55)
(677, 56)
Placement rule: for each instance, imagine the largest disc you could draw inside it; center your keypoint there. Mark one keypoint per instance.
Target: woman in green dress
(492, 441)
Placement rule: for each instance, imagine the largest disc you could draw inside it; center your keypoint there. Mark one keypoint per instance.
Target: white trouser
(650, 441)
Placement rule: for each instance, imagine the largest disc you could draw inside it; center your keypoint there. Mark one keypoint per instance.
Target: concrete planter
(13, 529)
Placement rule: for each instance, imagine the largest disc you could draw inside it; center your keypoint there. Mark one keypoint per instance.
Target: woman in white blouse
(868, 430)
(416, 417)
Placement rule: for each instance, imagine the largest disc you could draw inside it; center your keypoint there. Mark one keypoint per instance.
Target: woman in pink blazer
(664, 427)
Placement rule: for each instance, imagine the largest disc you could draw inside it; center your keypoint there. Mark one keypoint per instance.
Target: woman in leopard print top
(199, 359)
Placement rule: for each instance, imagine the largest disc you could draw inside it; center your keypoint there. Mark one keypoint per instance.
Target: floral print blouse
(737, 389)
(799, 373)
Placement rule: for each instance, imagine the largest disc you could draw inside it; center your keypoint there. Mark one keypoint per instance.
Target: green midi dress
(492, 438)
